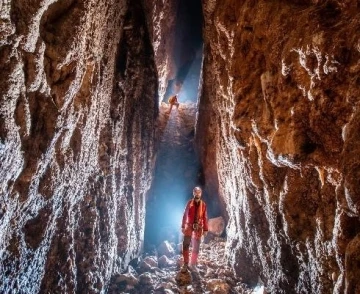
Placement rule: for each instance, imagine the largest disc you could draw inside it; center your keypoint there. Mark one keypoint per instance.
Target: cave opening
(177, 168)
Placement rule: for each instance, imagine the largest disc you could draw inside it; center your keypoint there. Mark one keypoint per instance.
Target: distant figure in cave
(173, 100)
(194, 225)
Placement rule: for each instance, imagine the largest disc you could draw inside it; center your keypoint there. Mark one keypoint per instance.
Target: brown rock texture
(278, 133)
(161, 18)
(78, 106)
(176, 34)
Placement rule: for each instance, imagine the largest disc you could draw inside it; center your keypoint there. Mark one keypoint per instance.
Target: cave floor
(212, 275)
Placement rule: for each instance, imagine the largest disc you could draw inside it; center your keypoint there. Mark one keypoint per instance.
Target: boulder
(216, 225)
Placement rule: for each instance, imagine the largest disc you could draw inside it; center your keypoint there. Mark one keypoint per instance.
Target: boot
(184, 268)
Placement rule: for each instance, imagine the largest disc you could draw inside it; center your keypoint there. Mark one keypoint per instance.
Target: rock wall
(277, 131)
(176, 33)
(161, 19)
(78, 107)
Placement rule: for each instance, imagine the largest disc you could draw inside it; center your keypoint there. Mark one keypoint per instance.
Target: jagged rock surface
(278, 134)
(161, 22)
(280, 113)
(78, 108)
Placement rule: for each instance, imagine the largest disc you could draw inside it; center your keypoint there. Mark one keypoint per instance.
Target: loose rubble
(160, 273)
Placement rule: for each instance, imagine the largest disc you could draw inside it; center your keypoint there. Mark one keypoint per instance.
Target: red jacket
(189, 217)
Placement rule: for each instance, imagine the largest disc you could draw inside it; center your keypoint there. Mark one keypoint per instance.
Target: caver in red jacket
(194, 224)
(195, 218)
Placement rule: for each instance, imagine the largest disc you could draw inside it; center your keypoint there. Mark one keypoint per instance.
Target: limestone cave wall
(161, 20)
(278, 134)
(78, 106)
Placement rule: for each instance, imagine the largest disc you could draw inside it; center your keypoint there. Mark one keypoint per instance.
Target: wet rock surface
(279, 112)
(78, 106)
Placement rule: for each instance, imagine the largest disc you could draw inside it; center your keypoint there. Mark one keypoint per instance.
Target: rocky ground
(160, 273)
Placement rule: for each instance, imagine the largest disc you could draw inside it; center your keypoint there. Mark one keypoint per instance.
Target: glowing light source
(258, 290)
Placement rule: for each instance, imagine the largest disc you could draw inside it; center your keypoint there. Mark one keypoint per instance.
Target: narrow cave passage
(176, 172)
(187, 51)
(177, 168)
